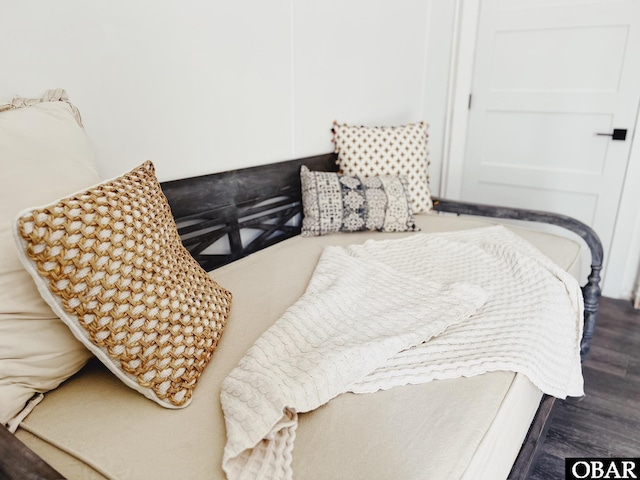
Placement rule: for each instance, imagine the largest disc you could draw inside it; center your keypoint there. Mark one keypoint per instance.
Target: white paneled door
(553, 81)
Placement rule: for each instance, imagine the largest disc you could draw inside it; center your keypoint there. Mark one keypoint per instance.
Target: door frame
(624, 263)
(460, 81)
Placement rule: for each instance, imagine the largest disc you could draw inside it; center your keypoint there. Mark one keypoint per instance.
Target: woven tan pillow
(110, 263)
(401, 150)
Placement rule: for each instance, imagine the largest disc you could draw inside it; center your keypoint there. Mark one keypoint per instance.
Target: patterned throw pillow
(110, 263)
(401, 150)
(342, 203)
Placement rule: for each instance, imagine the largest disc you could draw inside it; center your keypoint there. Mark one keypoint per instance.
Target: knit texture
(109, 261)
(373, 318)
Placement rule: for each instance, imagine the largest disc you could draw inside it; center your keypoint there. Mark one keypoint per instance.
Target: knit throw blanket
(396, 312)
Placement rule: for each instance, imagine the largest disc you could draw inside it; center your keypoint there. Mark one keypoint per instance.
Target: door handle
(618, 134)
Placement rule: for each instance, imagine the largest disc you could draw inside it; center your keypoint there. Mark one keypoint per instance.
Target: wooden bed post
(591, 294)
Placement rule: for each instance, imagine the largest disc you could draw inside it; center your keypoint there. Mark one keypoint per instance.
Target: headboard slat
(238, 202)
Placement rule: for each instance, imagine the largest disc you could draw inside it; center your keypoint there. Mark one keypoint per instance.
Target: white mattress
(94, 427)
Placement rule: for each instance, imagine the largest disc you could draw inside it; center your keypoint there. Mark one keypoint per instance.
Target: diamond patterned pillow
(400, 150)
(342, 203)
(110, 263)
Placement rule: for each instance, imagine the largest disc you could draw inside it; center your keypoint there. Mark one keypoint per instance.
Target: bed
(487, 425)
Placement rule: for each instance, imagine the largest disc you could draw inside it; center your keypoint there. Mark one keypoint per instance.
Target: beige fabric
(433, 424)
(443, 421)
(15, 422)
(109, 261)
(55, 95)
(497, 451)
(44, 154)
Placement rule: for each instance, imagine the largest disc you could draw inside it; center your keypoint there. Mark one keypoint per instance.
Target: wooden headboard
(225, 216)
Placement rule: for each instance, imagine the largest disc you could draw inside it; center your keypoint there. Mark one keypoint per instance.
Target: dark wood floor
(606, 422)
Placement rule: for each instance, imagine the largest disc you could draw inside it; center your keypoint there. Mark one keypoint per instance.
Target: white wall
(202, 86)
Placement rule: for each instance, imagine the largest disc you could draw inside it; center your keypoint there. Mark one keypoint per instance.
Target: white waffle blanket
(397, 312)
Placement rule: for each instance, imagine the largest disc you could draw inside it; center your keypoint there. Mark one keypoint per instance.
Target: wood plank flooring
(606, 422)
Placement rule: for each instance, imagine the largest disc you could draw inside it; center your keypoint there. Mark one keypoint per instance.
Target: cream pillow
(400, 150)
(44, 153)
(111, 264)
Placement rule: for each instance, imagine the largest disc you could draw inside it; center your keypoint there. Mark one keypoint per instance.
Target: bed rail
(590, 291)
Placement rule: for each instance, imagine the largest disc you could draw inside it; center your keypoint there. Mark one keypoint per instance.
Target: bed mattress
(95, 427)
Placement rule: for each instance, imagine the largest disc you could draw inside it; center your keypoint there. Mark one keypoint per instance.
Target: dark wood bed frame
(266, 201)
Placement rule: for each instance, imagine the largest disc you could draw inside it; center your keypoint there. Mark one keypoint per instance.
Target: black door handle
(618, 134)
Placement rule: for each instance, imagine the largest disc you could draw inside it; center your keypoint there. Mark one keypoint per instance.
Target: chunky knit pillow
(342, 203)
(401, 150)
(110, 263)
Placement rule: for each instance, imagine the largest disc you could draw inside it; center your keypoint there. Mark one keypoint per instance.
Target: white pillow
(44, 154)
(397, 150)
